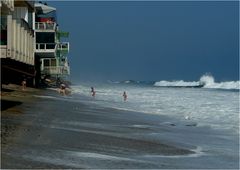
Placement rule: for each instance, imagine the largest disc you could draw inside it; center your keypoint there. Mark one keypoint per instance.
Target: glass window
(53, 62)
(46, 62)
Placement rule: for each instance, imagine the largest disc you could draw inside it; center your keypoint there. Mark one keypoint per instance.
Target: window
(53, 62)
(46, 62)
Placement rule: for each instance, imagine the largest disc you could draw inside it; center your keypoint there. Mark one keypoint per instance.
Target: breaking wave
(206, 81)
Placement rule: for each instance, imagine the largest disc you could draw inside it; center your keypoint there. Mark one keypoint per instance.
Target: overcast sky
(151, 40)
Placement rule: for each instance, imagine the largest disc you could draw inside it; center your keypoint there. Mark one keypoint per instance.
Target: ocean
(161, 125)
(204, 113)
(215, 105)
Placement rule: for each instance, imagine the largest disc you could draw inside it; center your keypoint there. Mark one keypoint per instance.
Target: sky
(158, 40)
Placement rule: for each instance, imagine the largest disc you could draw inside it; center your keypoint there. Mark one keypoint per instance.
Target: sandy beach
(31, 125)
(120, 84)
(41, 129)
(12, 97)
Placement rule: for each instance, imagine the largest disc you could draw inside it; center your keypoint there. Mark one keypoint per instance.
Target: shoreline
(14, 127)
(43, 131)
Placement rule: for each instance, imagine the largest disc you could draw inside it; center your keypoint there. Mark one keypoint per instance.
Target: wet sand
(43, 130)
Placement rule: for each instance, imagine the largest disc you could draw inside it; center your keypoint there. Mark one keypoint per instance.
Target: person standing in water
(62, 89)
(24, 84)
(124, 96)
(93, 92)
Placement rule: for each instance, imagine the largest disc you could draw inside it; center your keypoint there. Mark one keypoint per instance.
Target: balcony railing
(63, 46)
(45, 26)
(56, 70)
(45, 47)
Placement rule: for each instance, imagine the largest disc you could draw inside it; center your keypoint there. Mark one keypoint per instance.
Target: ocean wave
(132, 82)
(179, 83)
(206, 81)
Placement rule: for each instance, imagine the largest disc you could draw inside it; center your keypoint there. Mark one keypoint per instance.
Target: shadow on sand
(5, 104)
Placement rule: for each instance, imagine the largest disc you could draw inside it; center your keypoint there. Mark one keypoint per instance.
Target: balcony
(45, 26)
(63, 47)
(46, 49)
(17, 41)
(56, 70)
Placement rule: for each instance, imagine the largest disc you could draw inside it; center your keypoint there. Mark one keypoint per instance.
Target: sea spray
(206, 81)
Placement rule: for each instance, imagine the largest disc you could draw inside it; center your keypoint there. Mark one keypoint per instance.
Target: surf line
(197, 153)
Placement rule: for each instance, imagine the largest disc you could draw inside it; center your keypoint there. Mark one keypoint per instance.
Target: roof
(44, 9)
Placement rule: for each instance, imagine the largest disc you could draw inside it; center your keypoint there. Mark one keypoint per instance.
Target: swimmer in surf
(124, 96)
(93, 92)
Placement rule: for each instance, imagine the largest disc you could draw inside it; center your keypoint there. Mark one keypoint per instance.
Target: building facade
(50, 53)
(31, 46)
(17, 41)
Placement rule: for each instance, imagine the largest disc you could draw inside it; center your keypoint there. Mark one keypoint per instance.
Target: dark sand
(58, 132)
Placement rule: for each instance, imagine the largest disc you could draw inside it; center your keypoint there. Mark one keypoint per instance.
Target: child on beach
(124, 96)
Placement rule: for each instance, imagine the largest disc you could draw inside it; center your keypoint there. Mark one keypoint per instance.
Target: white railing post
(9, 35)
(14, 39)
(31, 49)
(25, 45)
(22, 43)
(28, 47)
(33, 46)
(31, 43)
(18, 40)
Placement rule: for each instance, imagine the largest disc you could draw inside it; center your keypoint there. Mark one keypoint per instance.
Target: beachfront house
(31, 47)
(17, 41)
(50, 52)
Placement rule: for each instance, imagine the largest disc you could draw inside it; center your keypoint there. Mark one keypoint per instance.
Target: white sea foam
(164, 83)
(206, 80)
(95, 156)
(197, 153)
(46, 97)
(206, 107)
(53, 89)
